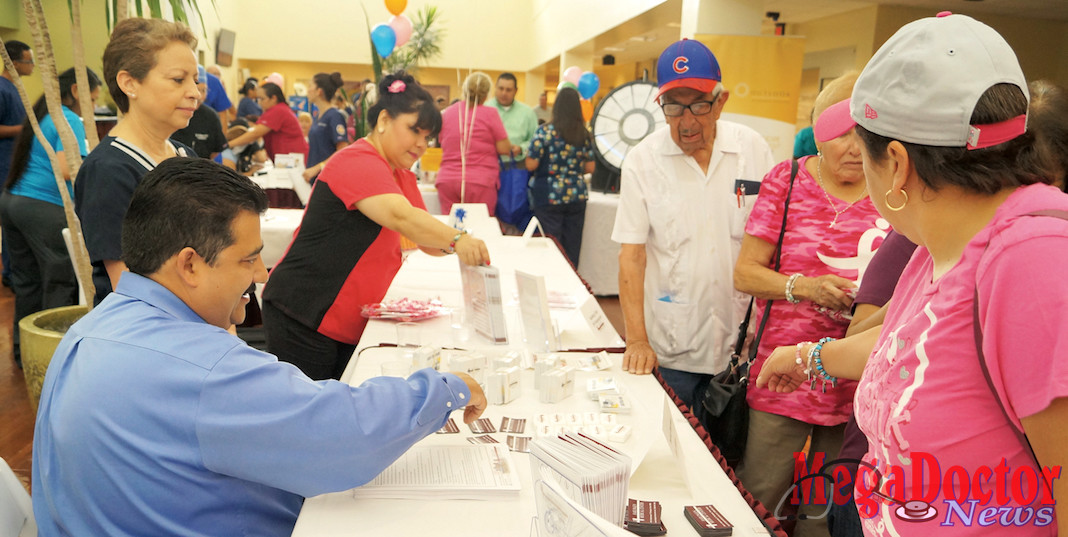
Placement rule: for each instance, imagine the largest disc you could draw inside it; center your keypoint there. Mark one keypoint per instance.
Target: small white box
(540, 368)
(557, 385)
(617, 404)
(598, 386)
(426, 356)
(619, 433)
(473, 364)
(511, 359)
(502, 385)
(594, 431)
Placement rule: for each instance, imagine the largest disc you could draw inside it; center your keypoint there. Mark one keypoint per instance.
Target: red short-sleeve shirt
(339, 258)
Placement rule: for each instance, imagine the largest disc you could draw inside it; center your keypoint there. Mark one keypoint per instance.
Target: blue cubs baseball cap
(687, 64)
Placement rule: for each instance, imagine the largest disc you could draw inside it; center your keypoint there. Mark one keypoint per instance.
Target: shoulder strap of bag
(977, 331)
(743, 329)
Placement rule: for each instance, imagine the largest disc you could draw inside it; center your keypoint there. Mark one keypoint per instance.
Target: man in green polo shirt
(519, 119)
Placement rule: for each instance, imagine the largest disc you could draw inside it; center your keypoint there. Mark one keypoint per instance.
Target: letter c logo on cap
(680, 64)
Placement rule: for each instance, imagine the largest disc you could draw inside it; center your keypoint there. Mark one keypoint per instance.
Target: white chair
(16, 511)
(70, 251)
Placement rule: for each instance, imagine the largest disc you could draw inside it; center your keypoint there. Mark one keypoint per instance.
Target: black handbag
(720, 406)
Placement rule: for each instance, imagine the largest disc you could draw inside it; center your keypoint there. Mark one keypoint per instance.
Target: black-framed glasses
(698, 108)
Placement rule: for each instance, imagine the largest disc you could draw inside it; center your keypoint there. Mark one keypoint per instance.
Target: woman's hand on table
(639, 358)
(477, 404)
(829, 291)
(780, 372)
(472, 251)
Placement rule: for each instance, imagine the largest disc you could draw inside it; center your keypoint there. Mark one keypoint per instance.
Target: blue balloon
(588, 85)
(384, 39)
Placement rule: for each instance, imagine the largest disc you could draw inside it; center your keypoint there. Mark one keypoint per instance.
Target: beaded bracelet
(790, 289)
(455, 239)
(807, 370)
(814, 357)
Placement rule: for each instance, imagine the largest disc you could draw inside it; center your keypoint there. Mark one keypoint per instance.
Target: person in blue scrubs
(328, 133)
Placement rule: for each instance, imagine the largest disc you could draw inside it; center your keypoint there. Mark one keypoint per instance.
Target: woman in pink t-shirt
(472, 136)
(963, 394)
(832, 231)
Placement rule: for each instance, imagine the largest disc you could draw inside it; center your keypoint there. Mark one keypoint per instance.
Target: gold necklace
(837, 213)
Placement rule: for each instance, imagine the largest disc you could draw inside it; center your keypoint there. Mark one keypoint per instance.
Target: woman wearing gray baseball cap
(963, 393)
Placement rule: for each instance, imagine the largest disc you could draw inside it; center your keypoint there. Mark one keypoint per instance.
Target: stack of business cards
(518, 443)
(708, 521)
(449, 428)
(513, 425)
(482, 426)
(482, 299)
(643, 518)
(588, 472)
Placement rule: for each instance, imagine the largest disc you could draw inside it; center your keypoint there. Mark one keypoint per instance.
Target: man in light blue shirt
(154, 420)
(519, 120)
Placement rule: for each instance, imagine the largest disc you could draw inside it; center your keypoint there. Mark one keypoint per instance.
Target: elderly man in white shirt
(685, 195)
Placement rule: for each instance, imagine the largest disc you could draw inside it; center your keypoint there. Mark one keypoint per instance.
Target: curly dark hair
(412, 100)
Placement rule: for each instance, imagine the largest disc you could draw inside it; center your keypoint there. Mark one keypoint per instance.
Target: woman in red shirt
(277, 126)
(347, 249)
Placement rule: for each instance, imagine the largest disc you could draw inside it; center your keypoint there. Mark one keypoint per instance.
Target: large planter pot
(39, 335)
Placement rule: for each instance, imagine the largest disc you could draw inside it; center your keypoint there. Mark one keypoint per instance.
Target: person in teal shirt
(804, 143)
(31, 209)
(520, 121)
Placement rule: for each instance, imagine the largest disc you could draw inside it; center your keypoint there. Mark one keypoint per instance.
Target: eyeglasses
(698, 108)
(23, 61)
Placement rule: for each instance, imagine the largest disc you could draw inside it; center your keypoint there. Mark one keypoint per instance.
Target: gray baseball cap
(923, 83)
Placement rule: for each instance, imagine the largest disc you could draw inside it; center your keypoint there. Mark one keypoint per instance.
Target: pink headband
(980, 136)
(833, 122)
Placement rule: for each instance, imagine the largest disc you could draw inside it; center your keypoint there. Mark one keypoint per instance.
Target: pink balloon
(572, 75)
(402, 26)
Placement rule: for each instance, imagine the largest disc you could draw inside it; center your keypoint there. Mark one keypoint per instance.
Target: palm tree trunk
(84, 95)
(47, 65)
(122, 10)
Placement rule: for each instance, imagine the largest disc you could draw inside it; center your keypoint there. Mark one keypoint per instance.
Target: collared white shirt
(691, 223)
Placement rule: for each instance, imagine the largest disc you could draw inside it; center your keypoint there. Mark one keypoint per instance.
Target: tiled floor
(16, 418)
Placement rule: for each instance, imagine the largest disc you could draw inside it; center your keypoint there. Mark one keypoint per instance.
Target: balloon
(384, 39)
(572, 74)
(566, 84)
(587, 110)
(402, 26)
(588, 85)
(396, 7)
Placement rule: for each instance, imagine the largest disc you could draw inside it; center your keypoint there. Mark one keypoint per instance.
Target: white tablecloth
(276, 229)
(675, 469)
(430, 198)
(672, 464)
(285, 178)
(599, 259)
